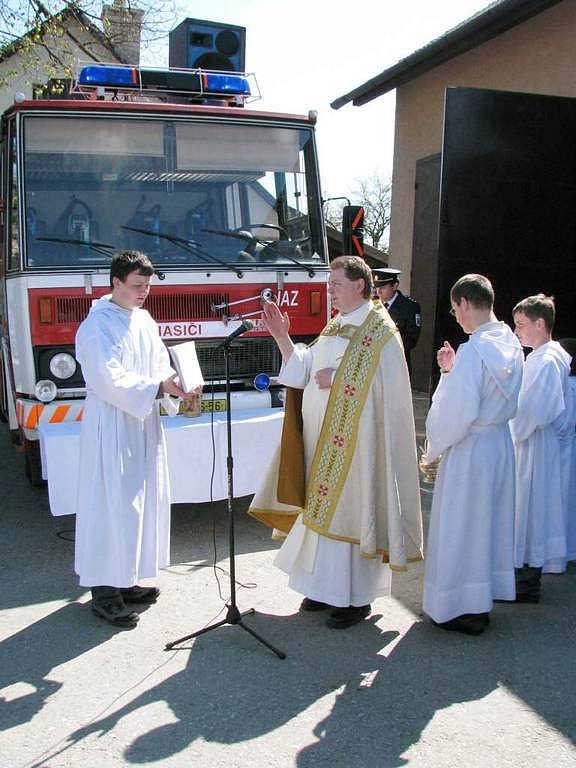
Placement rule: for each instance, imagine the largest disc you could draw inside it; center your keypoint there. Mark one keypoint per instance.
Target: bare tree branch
(374, 194)
(333, 213)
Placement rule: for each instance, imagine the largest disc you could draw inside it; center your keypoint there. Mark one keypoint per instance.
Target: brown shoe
(115, 612)
(140, 594)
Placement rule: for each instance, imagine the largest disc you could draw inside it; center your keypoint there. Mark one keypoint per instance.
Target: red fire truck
(224, 199)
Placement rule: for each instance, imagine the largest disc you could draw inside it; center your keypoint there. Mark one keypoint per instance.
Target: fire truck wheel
(33, 463)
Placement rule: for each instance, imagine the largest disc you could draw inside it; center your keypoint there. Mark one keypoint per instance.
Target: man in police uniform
(402, 309)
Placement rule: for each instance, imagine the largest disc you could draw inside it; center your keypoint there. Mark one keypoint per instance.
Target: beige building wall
(538, 56)
(25, 69)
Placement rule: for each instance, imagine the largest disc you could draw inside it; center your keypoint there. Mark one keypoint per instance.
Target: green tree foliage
(46, 34)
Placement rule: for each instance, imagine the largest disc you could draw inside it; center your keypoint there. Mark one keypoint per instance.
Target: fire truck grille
(72, 309)
(247, 358)
(164, 307)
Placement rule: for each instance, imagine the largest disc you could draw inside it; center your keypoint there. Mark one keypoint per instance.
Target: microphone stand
(233, 615)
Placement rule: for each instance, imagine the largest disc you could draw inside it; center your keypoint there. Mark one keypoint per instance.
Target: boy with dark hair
(540, 524)
(123, 506)
(470, 558)
(125, 262)
(476, 289)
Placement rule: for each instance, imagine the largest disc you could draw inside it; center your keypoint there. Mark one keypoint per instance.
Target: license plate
(217, 405)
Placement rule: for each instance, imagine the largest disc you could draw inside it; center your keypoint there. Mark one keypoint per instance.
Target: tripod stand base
(234, 617)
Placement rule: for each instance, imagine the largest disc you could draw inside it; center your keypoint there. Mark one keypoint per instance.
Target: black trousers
(104, 594)
(528, 580)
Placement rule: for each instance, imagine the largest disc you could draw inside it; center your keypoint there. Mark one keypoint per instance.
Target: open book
(186, 364)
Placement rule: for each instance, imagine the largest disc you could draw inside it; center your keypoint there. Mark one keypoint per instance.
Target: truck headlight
(62, 365)
(45, 390)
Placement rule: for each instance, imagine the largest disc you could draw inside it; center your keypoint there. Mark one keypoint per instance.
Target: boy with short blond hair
(540, 525)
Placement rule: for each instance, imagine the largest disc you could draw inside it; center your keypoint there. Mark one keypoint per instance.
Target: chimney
(122, 26)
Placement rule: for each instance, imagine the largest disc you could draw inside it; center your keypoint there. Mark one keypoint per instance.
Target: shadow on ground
(386, 687)
(232, 690)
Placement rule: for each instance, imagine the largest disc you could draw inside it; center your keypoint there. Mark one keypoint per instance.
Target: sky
(306, 53)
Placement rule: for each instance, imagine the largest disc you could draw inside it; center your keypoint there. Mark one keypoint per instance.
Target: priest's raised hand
(278, 326)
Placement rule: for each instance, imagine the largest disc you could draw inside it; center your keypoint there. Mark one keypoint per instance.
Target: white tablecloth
(255, 435)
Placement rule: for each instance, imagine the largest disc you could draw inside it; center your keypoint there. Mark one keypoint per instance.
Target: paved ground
(392, 691)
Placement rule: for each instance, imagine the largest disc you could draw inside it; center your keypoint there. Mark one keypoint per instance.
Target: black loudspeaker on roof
(208, 45)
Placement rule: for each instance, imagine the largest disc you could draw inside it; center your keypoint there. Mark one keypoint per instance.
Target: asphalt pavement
(391, 691)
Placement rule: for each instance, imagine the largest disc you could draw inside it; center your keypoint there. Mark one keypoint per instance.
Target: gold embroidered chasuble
(359, 488)
(337, 442)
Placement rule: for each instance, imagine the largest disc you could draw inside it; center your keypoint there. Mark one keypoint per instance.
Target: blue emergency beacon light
(262, 382)
(191, 81)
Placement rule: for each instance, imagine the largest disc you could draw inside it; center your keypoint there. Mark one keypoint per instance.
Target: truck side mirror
(353, 230)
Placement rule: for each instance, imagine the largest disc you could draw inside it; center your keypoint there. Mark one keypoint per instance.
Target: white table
(255, 436)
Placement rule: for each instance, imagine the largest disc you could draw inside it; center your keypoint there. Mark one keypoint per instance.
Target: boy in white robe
(569, 450)
(541, 521)
(336, 555)
(469, 556)
(123, 505)
(569, 467)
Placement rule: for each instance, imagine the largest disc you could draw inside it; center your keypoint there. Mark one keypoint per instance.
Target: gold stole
(337, 441)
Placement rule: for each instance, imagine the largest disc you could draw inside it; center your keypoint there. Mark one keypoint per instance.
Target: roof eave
(486, 25)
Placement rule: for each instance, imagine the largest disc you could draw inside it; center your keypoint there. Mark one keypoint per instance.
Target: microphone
(266, 296)
(245, 325)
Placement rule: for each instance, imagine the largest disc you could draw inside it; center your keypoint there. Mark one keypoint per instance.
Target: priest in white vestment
(469, 553)
(123, 504)
(541, 513)
(361, 513)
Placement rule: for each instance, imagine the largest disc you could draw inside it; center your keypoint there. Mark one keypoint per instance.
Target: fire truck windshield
(242, 194)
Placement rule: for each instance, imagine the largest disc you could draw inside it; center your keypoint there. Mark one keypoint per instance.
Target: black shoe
(341, 618)
(477, 619)
(467, 624)
(140, 594)
(526, 597)
(115, 612)
(313, 606)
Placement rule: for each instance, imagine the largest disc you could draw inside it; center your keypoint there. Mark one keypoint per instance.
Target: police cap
(385, 275)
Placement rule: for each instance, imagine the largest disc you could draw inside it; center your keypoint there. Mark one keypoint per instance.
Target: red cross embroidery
(323, 489)
(349, 390)
(367, 341)
(338, 441)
